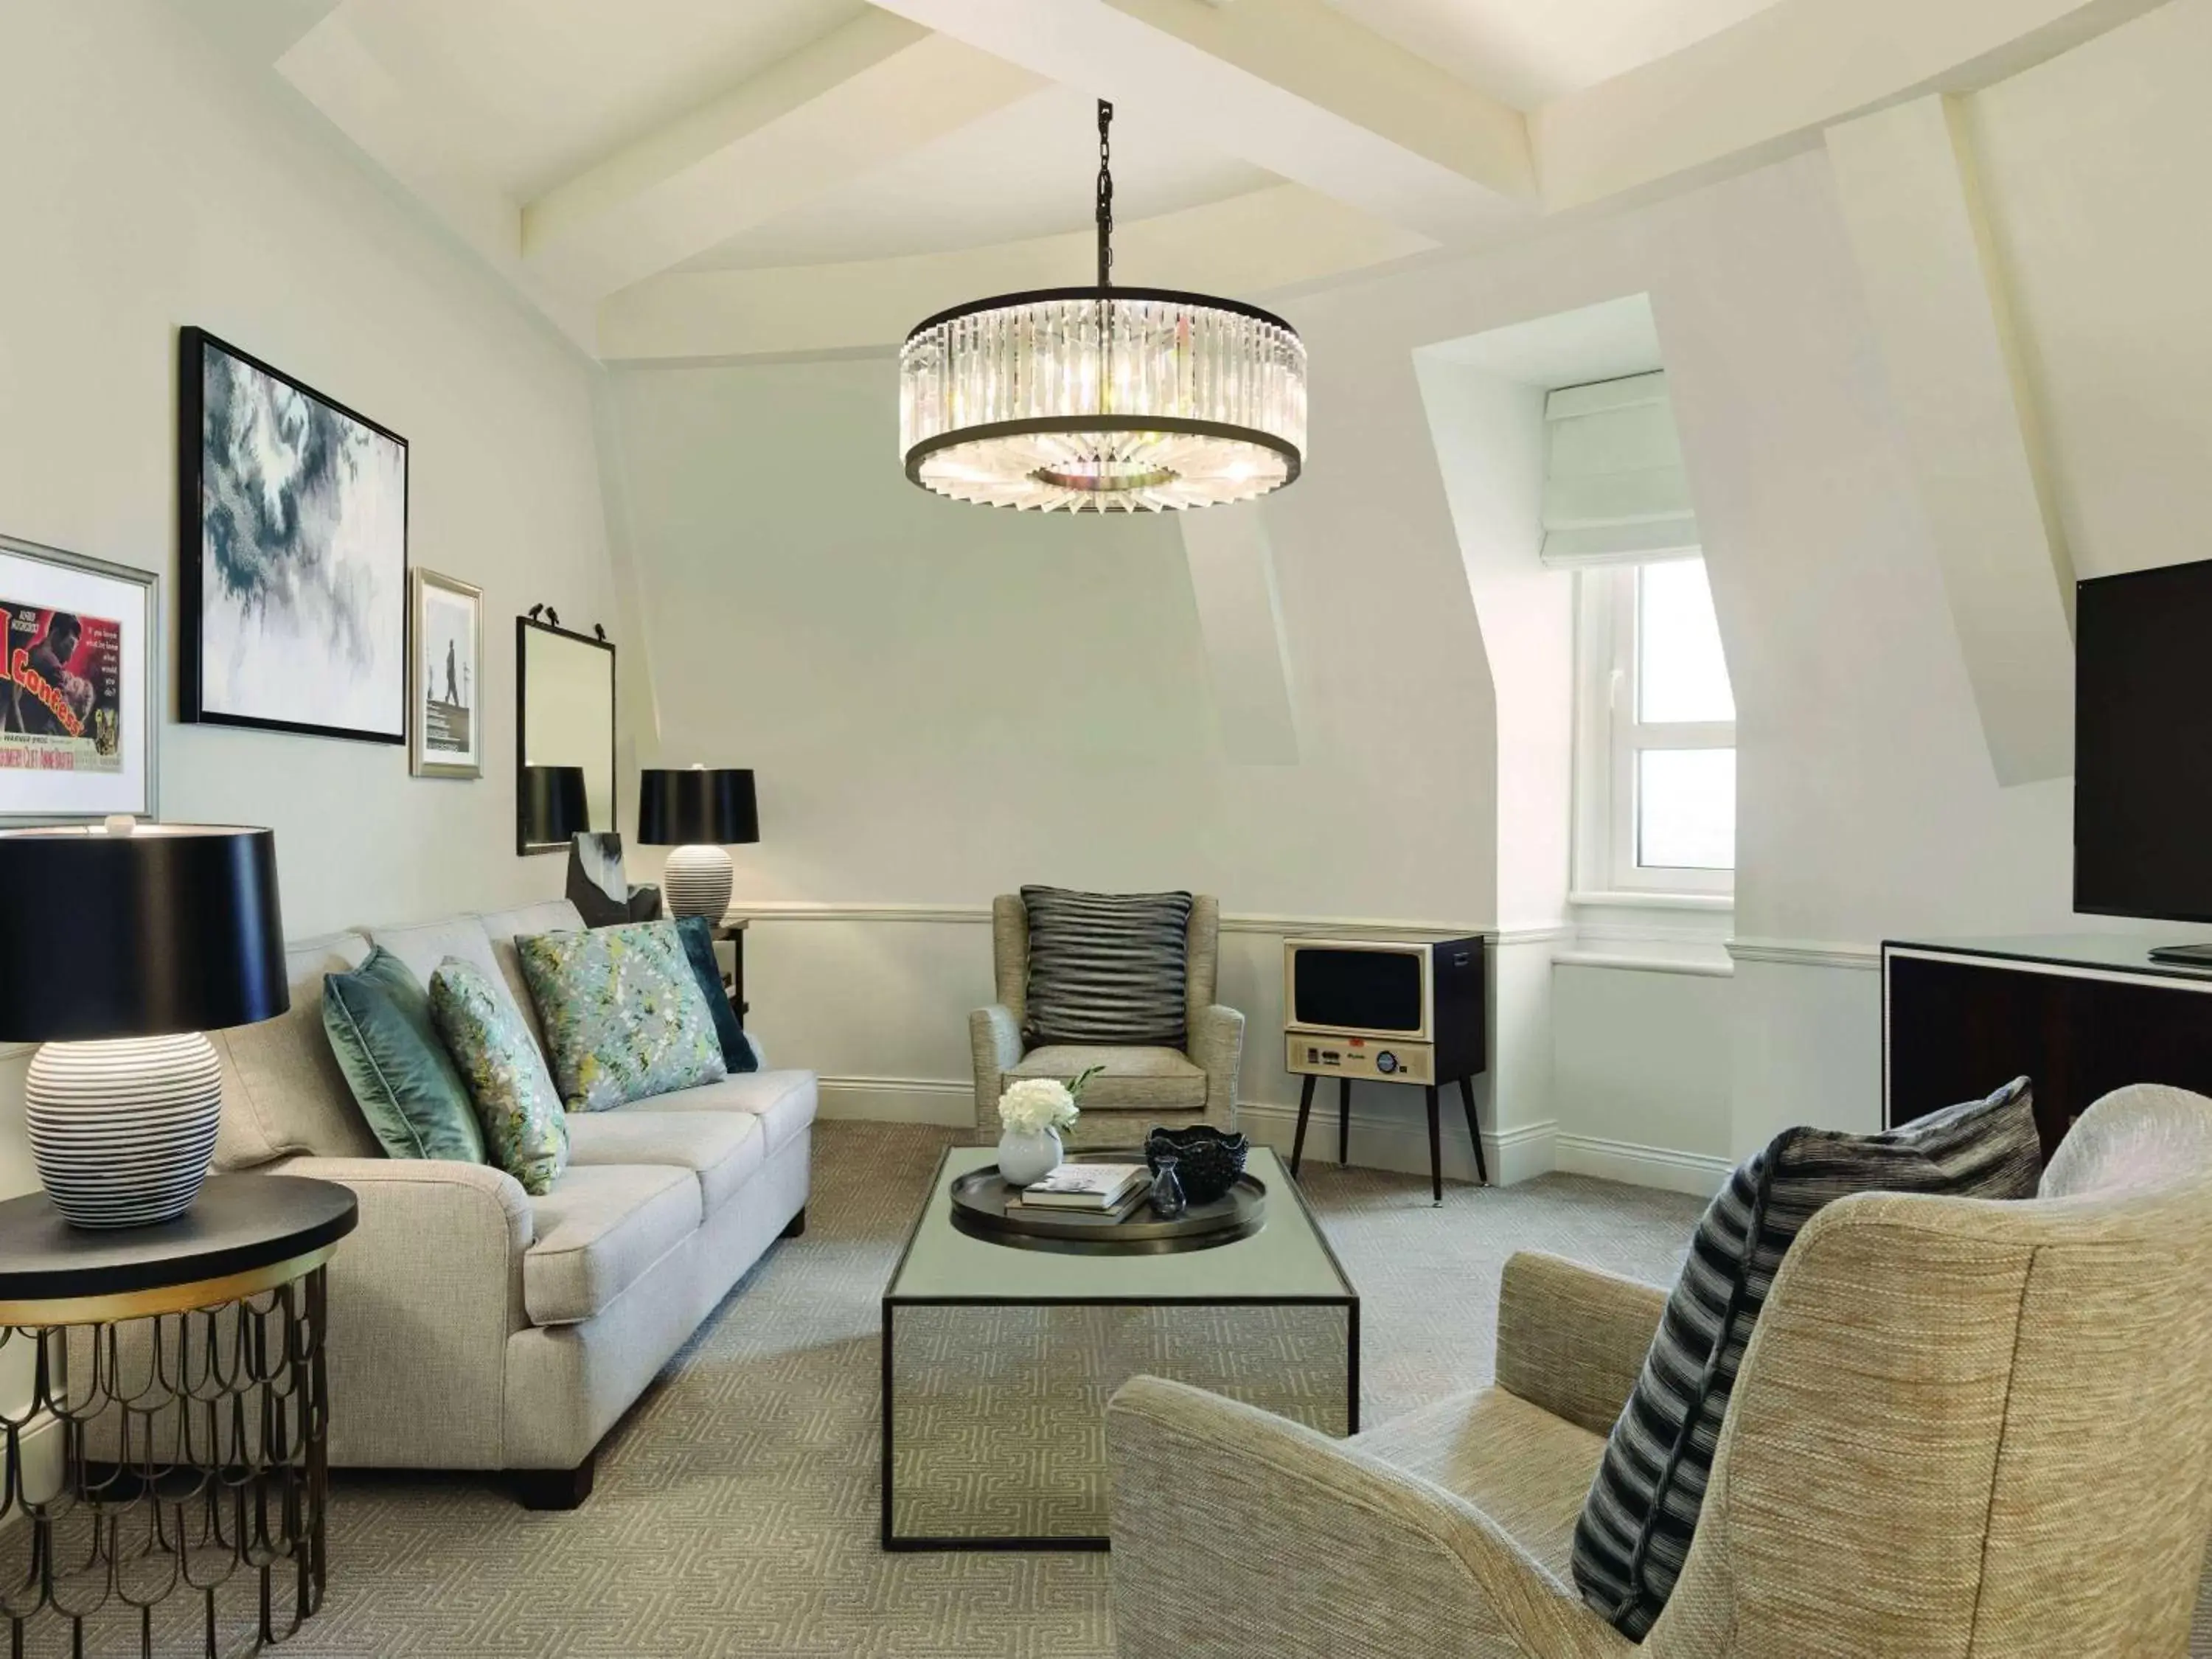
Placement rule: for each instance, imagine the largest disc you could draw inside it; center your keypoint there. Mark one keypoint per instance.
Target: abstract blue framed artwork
(292, 512)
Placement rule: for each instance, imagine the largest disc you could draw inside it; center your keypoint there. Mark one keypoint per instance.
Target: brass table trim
(116, 1305)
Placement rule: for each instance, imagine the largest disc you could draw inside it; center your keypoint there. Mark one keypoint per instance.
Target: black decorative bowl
(1207, 1162)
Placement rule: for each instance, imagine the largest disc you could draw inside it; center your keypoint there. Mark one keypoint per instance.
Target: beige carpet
(736, 1512)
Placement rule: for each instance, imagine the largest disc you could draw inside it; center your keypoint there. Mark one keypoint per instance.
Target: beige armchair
(1139, 1087)
(1962, 1428)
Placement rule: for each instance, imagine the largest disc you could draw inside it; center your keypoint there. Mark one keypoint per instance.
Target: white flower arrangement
(1034, 1103)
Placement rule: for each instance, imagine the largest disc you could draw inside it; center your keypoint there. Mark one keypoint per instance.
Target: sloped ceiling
(803, 173)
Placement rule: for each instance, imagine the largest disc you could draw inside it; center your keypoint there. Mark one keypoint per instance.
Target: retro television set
(1395, 1010)
(2143, 739)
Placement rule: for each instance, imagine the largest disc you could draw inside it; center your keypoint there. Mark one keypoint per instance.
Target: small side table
(733, 933)
(179, 1367)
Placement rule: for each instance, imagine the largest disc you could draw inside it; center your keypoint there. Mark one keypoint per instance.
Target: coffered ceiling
(696, 177)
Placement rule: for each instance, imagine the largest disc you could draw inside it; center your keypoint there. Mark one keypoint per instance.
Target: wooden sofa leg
(796, 1227)
(555, 1489)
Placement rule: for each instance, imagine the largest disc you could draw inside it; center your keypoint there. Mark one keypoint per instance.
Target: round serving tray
(984, 1207)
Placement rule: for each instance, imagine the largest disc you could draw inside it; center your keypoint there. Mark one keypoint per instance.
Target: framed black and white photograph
(80, 684)
(446, 679)
(293, 514)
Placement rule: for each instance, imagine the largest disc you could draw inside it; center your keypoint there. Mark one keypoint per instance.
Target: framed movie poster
(293, 514)
(79, 715)
(445, 679)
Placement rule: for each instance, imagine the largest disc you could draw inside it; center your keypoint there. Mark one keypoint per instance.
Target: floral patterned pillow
(524, 1133)
(623, 1014)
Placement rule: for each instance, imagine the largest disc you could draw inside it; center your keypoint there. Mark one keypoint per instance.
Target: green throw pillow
(378, 1019)
(624, 1019)
(698, 936)
(524, 1129)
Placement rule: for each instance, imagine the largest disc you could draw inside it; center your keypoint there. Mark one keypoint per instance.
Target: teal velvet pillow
(378, 1019)
(698, 936)
(623, 1018)
(524, 1129)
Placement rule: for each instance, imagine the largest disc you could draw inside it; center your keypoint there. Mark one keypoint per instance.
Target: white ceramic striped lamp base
(123, 1131)
(696, 883)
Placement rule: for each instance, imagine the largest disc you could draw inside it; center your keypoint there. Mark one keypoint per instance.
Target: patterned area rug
(735, 1508)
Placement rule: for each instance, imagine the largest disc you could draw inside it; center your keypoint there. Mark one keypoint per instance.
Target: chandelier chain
(1105, 195)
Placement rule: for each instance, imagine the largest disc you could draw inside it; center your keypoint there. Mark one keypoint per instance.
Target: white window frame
(1607, 739)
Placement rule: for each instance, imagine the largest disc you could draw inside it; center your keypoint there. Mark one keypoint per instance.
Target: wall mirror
(564, 716)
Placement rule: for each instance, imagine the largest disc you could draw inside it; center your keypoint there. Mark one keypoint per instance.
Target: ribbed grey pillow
(1107, 967)
(1643, 1508)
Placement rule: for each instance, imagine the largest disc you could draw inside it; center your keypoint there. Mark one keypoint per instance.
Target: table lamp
(119, 945)
(553, 806)
(698, 812)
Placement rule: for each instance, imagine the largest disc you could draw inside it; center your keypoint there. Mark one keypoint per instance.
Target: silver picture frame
(43, 777)
(445, 677)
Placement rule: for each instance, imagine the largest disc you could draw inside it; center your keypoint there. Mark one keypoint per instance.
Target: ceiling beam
(1245, 246)
(854, 100)
(1772, 82)
(1290, 85)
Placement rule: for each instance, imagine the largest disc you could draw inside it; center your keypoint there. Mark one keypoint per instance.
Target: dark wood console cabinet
(2079, 1014)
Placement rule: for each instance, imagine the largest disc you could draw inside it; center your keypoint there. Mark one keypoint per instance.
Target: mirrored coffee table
(997, 1361)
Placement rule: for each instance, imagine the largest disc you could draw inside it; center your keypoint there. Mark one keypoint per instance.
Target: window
(1655, 733)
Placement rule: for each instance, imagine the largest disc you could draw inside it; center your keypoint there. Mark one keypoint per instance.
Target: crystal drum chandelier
(1103, 399)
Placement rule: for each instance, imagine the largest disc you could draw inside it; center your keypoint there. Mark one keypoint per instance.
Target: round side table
(165, 1409)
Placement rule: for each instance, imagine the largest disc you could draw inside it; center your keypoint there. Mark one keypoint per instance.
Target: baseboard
(1401, 1143)
(900, 1100)
(1697, 1173)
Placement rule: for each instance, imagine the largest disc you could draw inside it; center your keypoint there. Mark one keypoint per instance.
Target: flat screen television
(2142, 744)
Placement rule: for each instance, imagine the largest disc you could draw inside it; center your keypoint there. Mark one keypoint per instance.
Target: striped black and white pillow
(1637, 1523)
(1107, 967)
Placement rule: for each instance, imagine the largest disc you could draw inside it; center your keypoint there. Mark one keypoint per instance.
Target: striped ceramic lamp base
(123, 1130)
(696, 883)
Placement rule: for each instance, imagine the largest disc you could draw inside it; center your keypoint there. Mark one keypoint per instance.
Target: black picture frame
(193, 344)
(523, 626)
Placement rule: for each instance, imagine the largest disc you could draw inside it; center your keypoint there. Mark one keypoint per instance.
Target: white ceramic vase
(1027, 1155)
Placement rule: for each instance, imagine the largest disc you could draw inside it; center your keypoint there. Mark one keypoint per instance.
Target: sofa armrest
(1236, 1532)
(1217, 1048)
(996, 1040)
(1571, 1339)
(424, 1293)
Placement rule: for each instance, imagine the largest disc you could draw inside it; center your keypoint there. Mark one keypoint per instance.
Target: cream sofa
(473, 1327)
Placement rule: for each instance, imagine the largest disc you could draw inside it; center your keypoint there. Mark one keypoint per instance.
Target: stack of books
(1111, 1190)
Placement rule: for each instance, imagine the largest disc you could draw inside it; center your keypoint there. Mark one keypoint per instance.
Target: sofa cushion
(1641, 1512)
(1106, 968)
(526, 1132)
(423, 946)
(502, 928)
(378, 1020)
(1526, 1469)
(722, 1149)
(697, 935)
(623, 1018)
(282, 1093)
(1135, 1080)
(784, 1102)
(599, 1231)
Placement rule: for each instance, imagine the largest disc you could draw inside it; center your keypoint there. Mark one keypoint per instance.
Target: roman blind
(1615, 489)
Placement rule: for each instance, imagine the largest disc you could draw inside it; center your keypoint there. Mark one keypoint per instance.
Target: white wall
(877, 654)
(150, 184)
(942, 702)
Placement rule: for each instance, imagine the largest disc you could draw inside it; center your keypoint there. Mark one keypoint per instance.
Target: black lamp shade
(699, 807)
(553, 807)
(170, 929)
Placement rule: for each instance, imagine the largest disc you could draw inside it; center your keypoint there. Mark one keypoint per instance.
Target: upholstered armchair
(1139, 1087)
(1962, 1427)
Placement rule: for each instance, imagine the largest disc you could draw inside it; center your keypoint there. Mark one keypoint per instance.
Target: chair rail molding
(1806, 953)
(773, 910)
